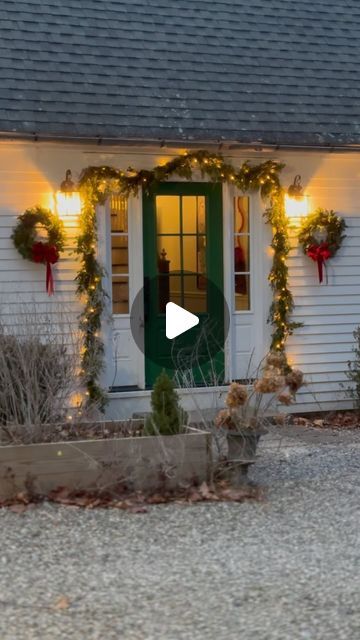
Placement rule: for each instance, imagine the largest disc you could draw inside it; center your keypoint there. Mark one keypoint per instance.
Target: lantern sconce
(296, 202)
(67, 199)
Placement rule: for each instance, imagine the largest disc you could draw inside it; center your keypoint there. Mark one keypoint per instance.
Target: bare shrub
(39, 371)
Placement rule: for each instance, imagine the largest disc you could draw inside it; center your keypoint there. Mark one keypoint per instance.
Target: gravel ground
(285, 569)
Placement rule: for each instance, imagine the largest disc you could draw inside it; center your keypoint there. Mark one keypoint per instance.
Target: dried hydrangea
(222, 418)
(295, 380)
(285, 398)
(270, 383)
(277, 360)
(237, 395)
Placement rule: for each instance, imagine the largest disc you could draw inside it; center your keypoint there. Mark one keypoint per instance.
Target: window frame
(117, 276)
(248, 234)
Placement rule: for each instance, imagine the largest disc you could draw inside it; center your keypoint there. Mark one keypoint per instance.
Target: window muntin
(181, 250)
(241, 244)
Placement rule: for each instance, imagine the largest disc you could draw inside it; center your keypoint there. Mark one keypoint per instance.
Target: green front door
(183, 263)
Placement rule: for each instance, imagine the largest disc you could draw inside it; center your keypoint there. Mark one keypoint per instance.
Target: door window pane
(119, 254)
(193, 214)
(189, 213)
(119, 214)
(201, 255)
(168, 214)
(190, 253)
(168, 248)
(241, 244)
(241, 214)
(120, 295)
(241, 254)
(175, 290)
(195, 298)
(242, 292)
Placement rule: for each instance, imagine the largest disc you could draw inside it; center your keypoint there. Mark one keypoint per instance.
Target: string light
(96, 184)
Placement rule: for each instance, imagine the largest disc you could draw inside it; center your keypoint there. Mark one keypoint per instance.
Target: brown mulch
(12, 435)
(137, 502)
(334, 420)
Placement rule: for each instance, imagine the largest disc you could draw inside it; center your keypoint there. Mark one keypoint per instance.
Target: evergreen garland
(283, 302)
(90, 287)
(98, 183)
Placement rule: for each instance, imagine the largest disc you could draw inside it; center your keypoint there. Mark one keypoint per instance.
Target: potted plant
(250, 407)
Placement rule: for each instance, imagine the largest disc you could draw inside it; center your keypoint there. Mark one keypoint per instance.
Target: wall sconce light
(296, 202)
(67, 199)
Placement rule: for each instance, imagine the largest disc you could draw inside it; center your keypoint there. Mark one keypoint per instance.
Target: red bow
(319, 253)
(46, 254)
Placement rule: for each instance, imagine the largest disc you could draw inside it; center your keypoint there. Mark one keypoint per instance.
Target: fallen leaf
(241, 494)
(138, 509)
(62, 603)
(83, 501)
(22, 497)
(18, 508)
(119, 504)
(319, 423)
(61, 493)
(95, 503)
(205, 492)
(195, 496)
(301, 422)
(156, 498)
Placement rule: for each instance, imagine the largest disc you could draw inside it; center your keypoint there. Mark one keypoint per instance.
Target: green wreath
(321, 236)
(25, 240)
(24, 234)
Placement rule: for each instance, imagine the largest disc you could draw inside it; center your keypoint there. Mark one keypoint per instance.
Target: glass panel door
(182, 264)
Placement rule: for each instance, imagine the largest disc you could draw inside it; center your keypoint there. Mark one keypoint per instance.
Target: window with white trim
(241, 233)
(119, 255)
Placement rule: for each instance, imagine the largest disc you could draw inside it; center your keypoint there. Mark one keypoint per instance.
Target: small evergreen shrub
(167, 416)
(353, 372)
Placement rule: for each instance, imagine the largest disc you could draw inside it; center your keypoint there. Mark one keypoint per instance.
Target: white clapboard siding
(29, 177)
(330, 312)
(31, 172)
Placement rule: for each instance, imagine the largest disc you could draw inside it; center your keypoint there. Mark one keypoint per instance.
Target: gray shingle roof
(275, 71)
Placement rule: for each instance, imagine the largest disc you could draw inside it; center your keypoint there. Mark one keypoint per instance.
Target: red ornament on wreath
(321, 236)
(31, 248)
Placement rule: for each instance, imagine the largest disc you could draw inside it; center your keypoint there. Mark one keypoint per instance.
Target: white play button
(178, 320)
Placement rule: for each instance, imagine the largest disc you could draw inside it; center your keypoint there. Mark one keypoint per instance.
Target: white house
(136, 84)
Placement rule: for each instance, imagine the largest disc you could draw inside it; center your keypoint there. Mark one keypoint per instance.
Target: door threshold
(124, 388)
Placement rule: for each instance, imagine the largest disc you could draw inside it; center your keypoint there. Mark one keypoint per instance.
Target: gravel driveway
(286, 569)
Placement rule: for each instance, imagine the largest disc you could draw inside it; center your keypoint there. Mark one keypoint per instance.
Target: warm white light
(296, 208)
(68, 204)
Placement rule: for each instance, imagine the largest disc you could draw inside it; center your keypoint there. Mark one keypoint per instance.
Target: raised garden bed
(140, 463)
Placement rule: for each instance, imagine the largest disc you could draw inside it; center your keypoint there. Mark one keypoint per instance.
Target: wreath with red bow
(321, 236)
(25, 239)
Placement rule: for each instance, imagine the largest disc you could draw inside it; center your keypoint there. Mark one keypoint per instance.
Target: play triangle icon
(178, 320)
